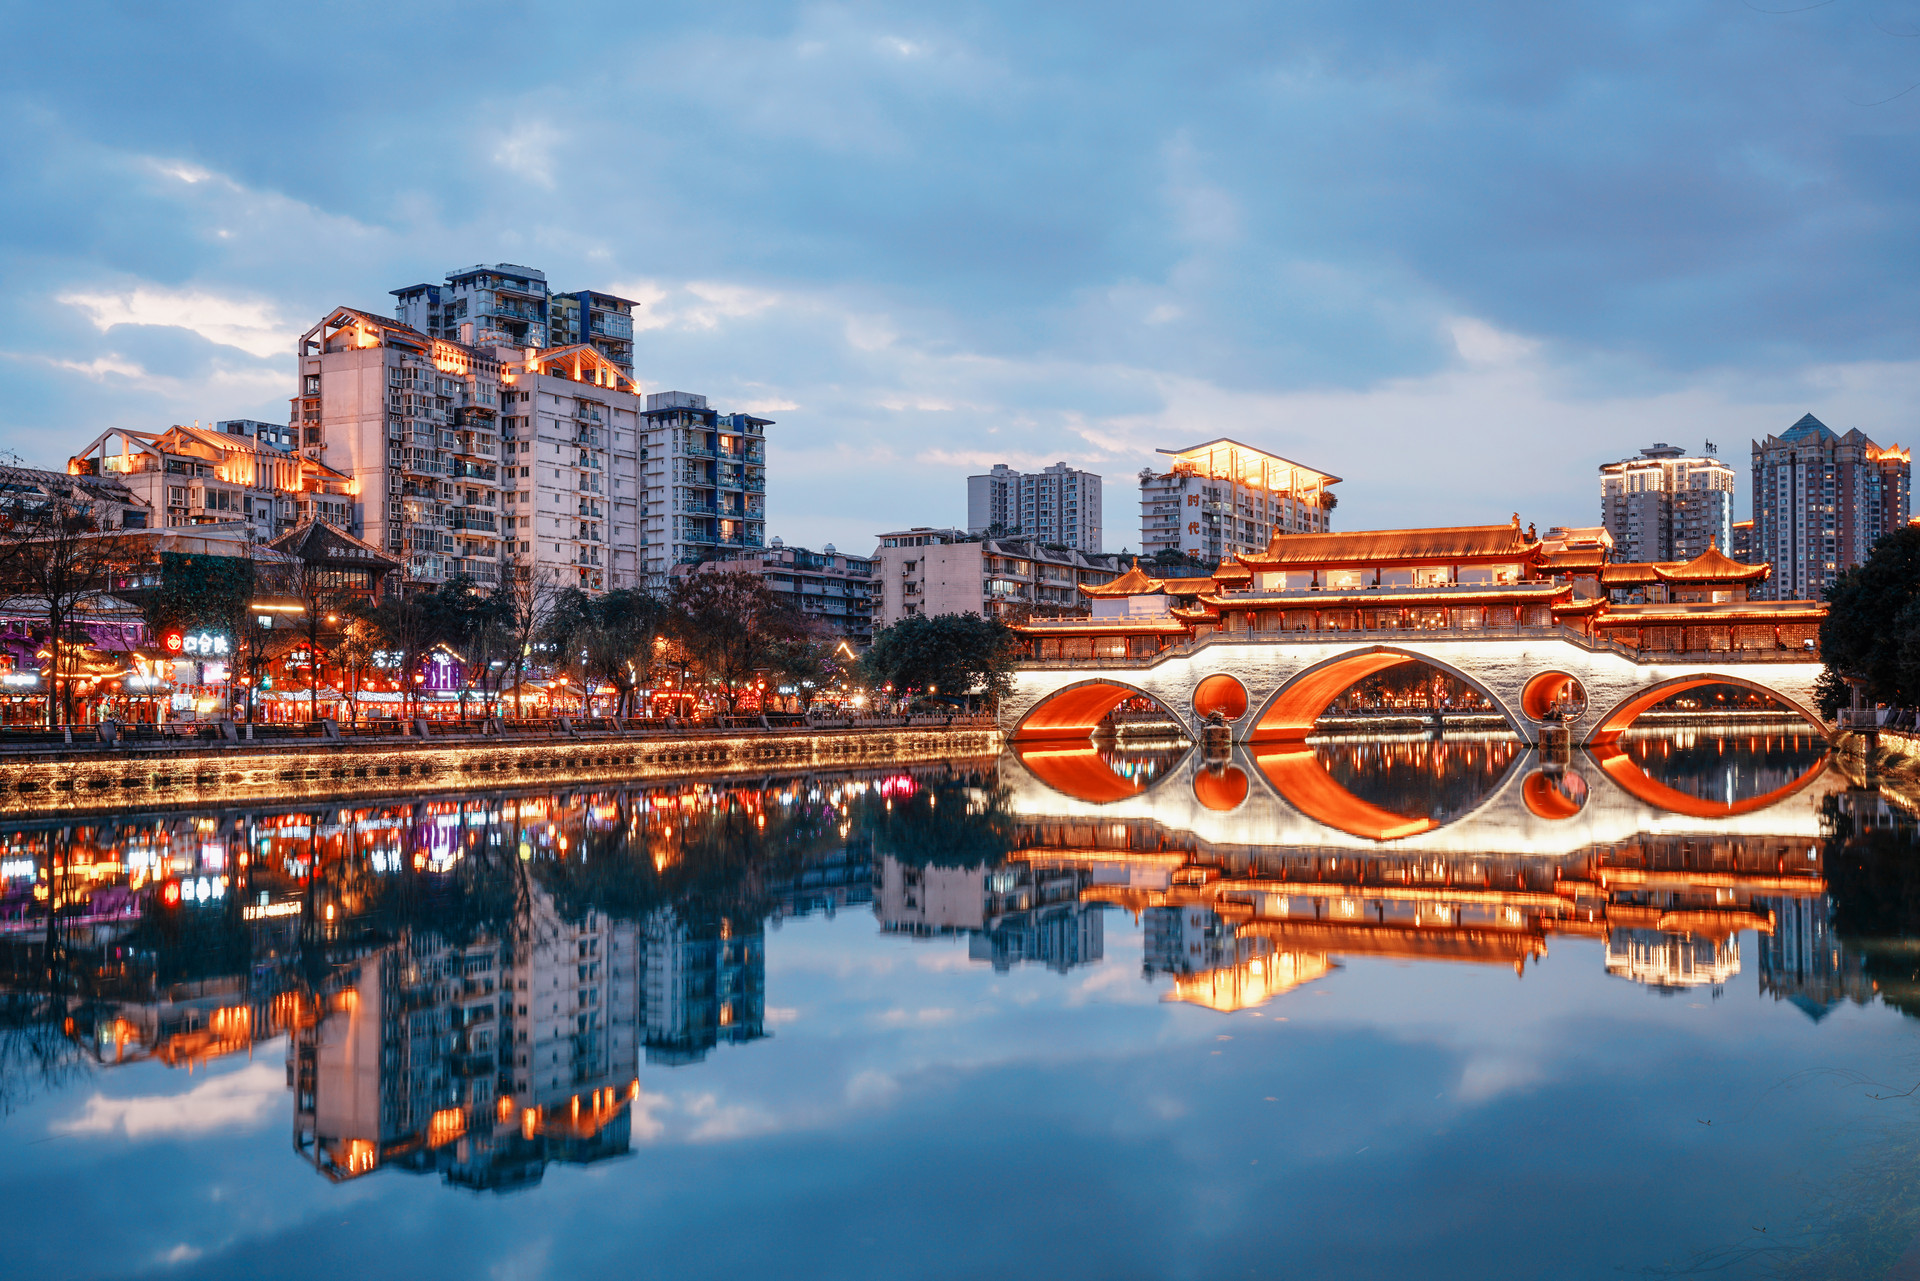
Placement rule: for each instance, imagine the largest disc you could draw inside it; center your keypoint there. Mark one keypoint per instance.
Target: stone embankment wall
(95, 782)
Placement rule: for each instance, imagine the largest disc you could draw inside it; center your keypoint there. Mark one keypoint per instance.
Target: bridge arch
(1642, 786)
(1294, 770)
(1074, 711)
(1289, 715)
(1615, 722)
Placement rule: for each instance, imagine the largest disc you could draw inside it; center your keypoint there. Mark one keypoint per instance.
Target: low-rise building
(238, 471)
(825, 586)
(946, 571)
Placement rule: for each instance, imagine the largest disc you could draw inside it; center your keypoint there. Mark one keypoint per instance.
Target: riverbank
(56, 783)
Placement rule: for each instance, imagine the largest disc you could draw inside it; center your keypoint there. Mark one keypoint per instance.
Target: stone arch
(1073, 711)
(1614, 723)
(1289, 715)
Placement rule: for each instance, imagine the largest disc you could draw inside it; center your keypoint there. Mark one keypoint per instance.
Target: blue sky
(1458, 255)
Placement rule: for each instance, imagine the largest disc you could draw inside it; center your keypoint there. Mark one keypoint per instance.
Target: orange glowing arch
(1290, 714)
(1221, 791)
(1077, 770)
(1297, 774)
(1537, 700)
(1545, 798)
(1620, 767)
(1628, 711)
(1074, 712)
(1220, 693)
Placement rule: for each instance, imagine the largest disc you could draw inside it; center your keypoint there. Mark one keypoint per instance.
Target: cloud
(252, 325)
(234, 1100)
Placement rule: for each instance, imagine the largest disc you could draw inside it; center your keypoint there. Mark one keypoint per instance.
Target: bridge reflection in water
(1252, 874)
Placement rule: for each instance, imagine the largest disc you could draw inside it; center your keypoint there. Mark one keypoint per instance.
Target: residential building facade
(946, 571)
(1667, 505)
(1820, 502)
(1222, 497)
(233, 472)
(1056, 505)
(705, 483)
(507, 305)
(833, 590)
(573, 491)
(413, 422)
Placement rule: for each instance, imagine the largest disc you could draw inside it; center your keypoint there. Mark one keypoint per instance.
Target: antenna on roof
(1711, 449)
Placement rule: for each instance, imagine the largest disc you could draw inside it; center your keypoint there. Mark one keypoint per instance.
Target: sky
(1458, 255)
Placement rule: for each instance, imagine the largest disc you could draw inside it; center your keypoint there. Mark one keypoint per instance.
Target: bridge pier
(1272, 687)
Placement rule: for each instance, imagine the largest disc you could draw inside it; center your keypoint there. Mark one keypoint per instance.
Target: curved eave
(1391, 597)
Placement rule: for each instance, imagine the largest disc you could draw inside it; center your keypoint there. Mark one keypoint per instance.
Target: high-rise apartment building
(1223, 497)
(1820, 502)
(470, 460)
(1667, 505)
(571, 427)
(1057, 505)
(509, 305)
(706, 482)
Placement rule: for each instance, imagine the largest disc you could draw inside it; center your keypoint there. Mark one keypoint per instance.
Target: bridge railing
(1407, 635)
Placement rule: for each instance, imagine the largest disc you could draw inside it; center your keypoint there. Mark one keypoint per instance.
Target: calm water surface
(1086, 1012)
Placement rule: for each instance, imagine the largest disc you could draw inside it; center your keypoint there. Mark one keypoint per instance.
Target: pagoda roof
(1631, 573)
(1573, 561)
(1232, 570)
(1132, 583)
(1188, 586)
(1712, 566)
(320, 541)
(1451, 543)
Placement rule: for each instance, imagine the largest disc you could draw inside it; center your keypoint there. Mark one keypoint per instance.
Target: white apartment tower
(706, 482)
(1667, 505)
(1058, 505)
(476, 461)
(413, 422)
(571, 429)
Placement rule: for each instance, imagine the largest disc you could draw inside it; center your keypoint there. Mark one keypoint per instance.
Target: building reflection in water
(1009, 914)
(469, 988)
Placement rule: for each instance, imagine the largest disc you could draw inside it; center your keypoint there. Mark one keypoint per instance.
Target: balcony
(468, 518)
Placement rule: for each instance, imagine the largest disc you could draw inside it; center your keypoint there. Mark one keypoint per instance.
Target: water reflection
(478, 988)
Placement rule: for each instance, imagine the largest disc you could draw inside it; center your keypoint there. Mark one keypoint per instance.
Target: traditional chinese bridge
(1269, 641)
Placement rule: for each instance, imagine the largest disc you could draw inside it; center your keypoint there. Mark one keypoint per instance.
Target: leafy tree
(733, 627)
(1872, 628)
(954, 654)
(607, 638)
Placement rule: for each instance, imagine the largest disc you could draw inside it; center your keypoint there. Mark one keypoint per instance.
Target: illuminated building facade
(1059, 505)
(1222, 498)
(477, 461)
(1667, 505)
(237, 472)
(412, 421)
(706, 482)
(569, 1018)
(1821, 501)
(571, 436)
(1472, 578)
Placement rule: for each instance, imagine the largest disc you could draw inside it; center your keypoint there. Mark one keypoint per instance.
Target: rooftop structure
(237, 471)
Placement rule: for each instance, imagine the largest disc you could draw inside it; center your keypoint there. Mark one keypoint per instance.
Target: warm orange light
(447, 1125)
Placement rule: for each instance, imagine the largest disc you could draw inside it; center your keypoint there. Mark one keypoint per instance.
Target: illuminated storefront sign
(198, 643)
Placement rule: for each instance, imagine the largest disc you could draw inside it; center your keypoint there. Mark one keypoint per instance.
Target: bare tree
(58, 553)
(530, 594)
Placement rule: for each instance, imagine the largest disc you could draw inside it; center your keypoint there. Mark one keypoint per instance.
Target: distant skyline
(1459, 258)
